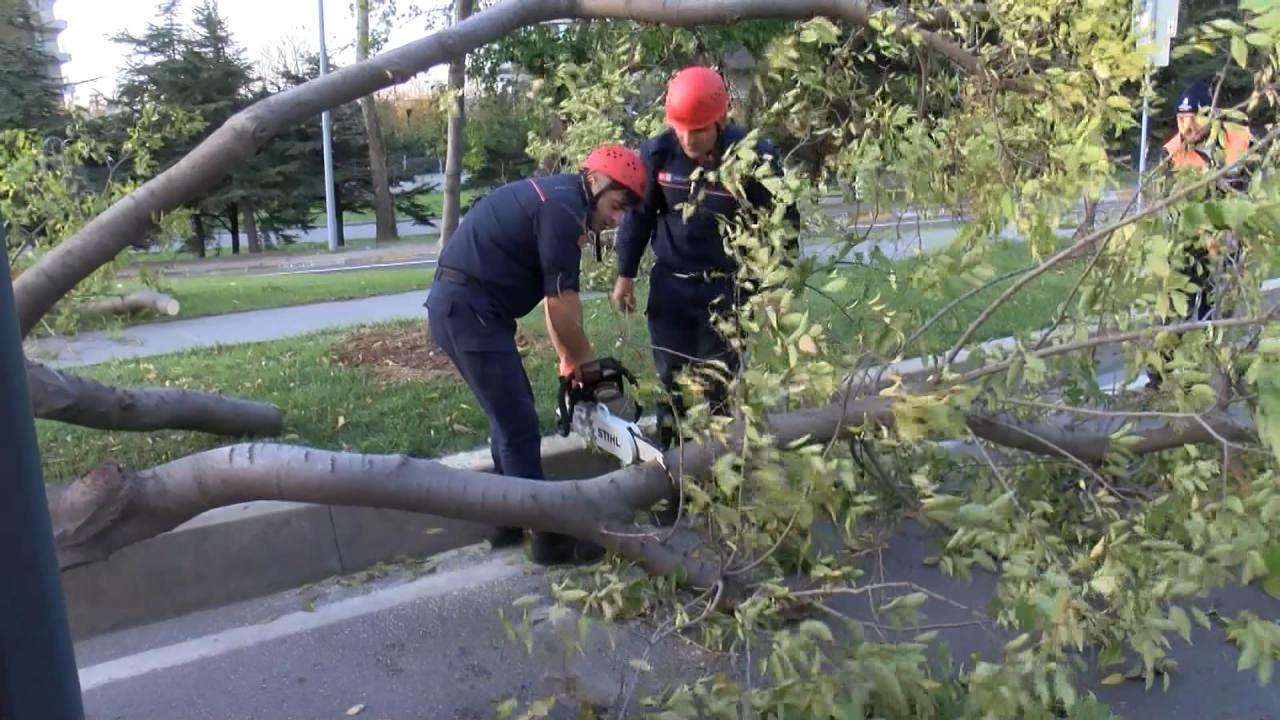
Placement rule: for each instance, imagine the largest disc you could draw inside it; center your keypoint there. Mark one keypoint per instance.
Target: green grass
(216, 295)
(298, 375)
(851, 314)
(421, 418)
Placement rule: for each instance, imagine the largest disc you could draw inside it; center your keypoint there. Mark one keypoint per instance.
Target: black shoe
(552, 548)
(506, 537)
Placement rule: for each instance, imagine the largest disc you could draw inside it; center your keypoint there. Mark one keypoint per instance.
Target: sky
(257, 25)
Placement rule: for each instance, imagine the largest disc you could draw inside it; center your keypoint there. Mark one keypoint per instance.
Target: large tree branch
(134, 302)
(236, 141)
(112, 507)
(56, 395)
(1093, 443)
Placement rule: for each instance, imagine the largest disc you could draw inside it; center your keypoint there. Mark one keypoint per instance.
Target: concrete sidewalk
(290, 262)
(91, 348)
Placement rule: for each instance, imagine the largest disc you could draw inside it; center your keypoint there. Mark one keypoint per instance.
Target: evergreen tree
(29, 96)
(200, 68)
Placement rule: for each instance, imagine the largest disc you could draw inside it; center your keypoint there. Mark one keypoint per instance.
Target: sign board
(1155, 22)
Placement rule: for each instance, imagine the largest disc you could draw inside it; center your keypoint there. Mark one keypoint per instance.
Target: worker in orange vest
(1192, 149)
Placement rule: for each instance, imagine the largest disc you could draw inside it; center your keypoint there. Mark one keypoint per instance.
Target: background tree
(456, 148)
(198, 67)
(290, 195)
(29, 97)
(384, 211)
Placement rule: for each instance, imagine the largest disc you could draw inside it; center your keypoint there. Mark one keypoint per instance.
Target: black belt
(457, 276)
(705, 276)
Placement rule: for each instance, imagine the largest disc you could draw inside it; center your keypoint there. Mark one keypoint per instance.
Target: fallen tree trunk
(232, 144)
(113, 507)
(136, 302)
(61, 396)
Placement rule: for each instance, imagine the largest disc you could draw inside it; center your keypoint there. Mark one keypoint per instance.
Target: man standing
(1190, 150)
(516, 247)
(693, 279)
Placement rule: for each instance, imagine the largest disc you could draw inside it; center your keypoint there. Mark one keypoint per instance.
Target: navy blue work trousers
(682, 332)
(480, 340)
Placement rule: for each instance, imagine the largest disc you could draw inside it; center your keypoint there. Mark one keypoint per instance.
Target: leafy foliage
(50, 187)
(1113, 557)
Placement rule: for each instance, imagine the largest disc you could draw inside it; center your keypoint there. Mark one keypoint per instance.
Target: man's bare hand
(624, 295)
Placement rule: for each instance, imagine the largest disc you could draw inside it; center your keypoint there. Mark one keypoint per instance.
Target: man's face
(1189, 126)
(610, 209)
(699, 143)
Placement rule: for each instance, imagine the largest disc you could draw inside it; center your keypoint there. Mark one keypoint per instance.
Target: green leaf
(1239, 51)
(1229, 214)
(816, 630)
(1259, 39)
(1113, 679)
(640, 665)
(505, 708)
(1200, 617)
(1271, 555)
(1254, 566)
(525, 601)
(1119, 102)
(1181, 622)
(1271, 586)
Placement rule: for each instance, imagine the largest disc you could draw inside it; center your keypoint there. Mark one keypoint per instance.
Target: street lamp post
(326, 129)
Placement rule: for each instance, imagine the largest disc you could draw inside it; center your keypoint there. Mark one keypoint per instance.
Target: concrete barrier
(252, 549)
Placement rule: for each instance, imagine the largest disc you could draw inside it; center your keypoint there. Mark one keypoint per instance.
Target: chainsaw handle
(564, 409)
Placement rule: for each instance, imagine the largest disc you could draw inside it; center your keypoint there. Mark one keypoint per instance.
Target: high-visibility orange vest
(1235, 143)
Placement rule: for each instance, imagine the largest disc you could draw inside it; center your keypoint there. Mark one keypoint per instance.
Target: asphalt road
(432, 647)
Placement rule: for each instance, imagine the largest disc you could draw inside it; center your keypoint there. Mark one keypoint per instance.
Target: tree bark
(233, 214)
(251, 227)
(456, 148)
(384, 210)
(56, 395)
(136, 302)
(197, 224)
(231, 145)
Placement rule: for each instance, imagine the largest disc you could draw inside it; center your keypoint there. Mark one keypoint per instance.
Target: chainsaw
(597, 408)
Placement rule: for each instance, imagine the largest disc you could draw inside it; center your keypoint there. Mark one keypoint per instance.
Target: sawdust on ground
(406, 354)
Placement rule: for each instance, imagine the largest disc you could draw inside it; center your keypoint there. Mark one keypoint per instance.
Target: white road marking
(504, 565)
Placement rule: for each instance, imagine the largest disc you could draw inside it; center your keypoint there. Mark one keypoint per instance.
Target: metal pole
(38, 676)
(1142, 150)
(330, 202)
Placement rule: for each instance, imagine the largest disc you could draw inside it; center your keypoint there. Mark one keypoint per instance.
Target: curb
(257, 548)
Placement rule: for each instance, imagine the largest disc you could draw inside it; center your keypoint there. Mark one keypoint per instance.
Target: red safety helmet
(621, 164)
(696, 98)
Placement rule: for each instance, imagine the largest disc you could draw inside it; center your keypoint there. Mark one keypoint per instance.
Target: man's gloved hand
(601, 369)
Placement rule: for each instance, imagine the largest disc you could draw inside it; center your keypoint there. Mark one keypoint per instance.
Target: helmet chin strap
(591, 212)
